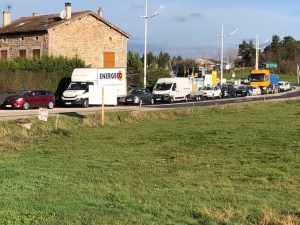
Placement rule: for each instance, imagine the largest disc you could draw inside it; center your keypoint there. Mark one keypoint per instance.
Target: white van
(171, 89)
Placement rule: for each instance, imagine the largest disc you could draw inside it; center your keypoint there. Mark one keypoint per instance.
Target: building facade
(84, 34)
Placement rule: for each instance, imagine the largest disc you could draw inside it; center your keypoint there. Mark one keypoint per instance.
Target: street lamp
(145, 47)
(221, 67)
(257, 50)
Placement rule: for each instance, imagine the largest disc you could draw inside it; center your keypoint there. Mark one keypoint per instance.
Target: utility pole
(145, 41)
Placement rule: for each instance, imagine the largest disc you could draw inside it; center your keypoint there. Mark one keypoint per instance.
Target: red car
(27, 99)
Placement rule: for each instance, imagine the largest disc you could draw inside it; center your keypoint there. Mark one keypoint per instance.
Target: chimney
(68, 10)
(35, 14)
(6, 18)
(100, 12)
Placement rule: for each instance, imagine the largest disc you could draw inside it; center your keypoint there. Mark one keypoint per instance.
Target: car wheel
(171, 100)
(50, 105)
(220, 96)
(234, 95)
(85, 103)
(185, 99)
(213, 96)
(25, 105)
(152, 101)
(141, 102)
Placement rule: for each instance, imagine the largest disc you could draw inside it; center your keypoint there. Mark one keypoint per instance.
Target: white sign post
(43, 114)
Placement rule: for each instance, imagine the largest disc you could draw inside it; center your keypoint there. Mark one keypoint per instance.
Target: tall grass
(236, 164)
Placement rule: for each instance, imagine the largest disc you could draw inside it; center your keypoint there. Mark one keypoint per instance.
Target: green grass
(236, 164)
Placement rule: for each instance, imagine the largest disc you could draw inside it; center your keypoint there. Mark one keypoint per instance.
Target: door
(35, 99)
(109, 59)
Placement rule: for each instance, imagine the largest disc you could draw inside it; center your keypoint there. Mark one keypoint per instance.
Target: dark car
(139, 96)
(242, 91)
(27, 99)
(244, 80)
(227, 91)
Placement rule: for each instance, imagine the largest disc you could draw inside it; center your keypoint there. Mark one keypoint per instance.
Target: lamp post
(145, 40)
(257, 50)
(221, 66)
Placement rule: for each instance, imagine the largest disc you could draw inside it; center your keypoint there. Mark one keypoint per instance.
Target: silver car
(139, 96)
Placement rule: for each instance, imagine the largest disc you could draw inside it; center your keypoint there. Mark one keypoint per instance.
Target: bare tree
(230, 55)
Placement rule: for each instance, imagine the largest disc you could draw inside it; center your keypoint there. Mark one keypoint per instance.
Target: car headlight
(19, 99)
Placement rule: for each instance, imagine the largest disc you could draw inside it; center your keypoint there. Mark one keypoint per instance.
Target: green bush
(45, 72)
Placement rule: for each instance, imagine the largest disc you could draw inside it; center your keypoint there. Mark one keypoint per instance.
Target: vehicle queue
(26, 99)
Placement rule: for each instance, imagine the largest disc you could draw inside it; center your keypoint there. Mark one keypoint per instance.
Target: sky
(186, 28)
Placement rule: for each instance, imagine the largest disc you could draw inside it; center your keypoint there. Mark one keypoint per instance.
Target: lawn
(234, 164)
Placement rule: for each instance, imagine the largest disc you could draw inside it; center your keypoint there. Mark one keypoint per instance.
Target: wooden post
(95, 118)
(56, 122)
(140, 106)
(102, 107)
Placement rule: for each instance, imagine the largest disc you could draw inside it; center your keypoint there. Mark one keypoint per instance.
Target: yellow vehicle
(267, 81)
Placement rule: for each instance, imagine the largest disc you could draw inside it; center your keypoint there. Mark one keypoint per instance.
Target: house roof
(44, 23)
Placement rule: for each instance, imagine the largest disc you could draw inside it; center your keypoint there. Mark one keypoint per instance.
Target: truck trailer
(268, 82)
(87, 83)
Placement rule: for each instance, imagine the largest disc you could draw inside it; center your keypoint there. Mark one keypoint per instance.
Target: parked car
(227, 91)
(254, 90)
(284, 85)
(241, 91)
(244, 80)
(139, 96)
(211, 92)
(27, 99)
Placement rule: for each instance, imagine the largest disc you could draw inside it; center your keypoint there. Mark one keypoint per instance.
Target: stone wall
(14, 43)
(89, 38)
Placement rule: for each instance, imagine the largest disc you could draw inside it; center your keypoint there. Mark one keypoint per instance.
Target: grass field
(234, 164)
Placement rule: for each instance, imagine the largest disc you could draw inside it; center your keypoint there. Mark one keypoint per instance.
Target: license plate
(129, 100)
(158, 99)
(8, 106)
(68, 103)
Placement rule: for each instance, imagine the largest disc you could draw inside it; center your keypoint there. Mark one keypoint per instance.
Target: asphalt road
(14, 114)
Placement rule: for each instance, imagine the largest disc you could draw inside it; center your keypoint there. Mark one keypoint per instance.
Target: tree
(153, 74)
(134, 63)
(230, 55)
(163, 60)
(247, 52)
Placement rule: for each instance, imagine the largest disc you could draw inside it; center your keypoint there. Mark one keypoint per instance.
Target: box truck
(87, 85)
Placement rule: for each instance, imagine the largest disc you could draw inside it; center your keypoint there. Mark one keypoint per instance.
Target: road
(14, 114)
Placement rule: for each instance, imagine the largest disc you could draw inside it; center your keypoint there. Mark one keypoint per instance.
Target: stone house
(85, 34)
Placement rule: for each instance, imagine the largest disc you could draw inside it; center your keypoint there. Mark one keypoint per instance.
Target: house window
(36, 53)
(3, 54)
(22, 53)
(109, 59)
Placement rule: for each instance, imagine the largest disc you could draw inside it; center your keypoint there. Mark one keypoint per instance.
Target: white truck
(175, 89)
(87, 85)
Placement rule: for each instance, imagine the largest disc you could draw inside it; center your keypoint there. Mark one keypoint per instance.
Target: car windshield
(207, 88)
(79, 85)
(224, 87)
(135, 91)
(23, 93)
(280, 83)
(162, 86)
